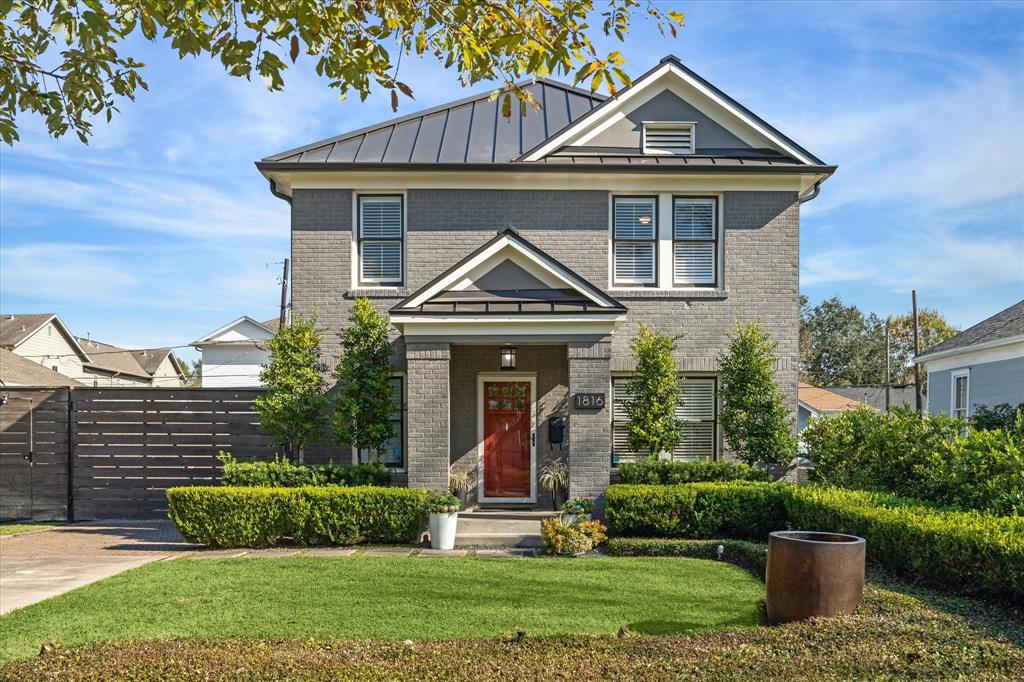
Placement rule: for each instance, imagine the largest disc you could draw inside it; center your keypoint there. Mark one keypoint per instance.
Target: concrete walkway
(42, 564)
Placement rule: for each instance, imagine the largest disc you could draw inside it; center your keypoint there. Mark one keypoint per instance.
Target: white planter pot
(442, 530)
(573, 519)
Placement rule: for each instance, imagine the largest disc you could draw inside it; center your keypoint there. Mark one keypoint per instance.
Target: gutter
(812, 193)
(271, 166)
(938, 355)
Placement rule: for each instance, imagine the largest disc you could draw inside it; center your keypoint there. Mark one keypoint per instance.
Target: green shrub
(667, 472)
(563, 539)
(308, 515)
(281, 473)
(737, 509)
(969, 551)
(750, 556)
(924, 458)
(1001, 416)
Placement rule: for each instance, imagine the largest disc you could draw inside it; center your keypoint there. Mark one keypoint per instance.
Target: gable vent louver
(669, 137)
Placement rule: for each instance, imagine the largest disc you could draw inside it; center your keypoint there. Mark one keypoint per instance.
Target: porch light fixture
(508, 358)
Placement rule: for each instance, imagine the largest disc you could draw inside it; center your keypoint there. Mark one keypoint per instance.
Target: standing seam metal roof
(470, 130)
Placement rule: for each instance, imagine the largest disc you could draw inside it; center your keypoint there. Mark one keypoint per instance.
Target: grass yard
(391, 598)
(15, 527)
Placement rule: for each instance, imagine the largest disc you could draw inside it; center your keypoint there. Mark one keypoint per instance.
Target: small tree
(654, 394)
(364, 401)
(754, 417)
(291, 411)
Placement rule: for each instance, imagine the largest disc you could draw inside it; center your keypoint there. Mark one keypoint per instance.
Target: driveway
(38, 565)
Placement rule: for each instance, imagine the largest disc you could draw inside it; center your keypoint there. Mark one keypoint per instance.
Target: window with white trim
(694, 241)
(635, 240)
(697, 409)
(380, 237)
(393, 454)
(961, 394)
(669, 137)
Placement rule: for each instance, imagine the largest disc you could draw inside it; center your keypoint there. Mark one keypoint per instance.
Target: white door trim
(531, 378)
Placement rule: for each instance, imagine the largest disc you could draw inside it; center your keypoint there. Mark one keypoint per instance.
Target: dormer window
(669, 137)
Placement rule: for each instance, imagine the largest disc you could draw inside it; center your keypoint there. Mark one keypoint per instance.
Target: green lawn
(15, 527)
(391, 598)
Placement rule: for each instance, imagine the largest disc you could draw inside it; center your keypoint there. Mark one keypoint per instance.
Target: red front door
(507, 439)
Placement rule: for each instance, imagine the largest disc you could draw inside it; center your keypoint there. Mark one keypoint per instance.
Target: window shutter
(382, 261)
(380, 218)
(697, 412)
(620, 422)
(694, 219)
(694, 263)
(634, 262)
(635, 218)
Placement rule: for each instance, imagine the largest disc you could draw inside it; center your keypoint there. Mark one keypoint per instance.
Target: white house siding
(233, 366)
(49, 348)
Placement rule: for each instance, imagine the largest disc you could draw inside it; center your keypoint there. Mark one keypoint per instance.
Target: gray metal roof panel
(403, 141)
(428, 141)
(480, 147)
(456, 132)
(345, 151)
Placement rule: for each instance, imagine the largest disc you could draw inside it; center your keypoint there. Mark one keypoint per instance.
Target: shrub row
(281, 473)
(926, 458)
(970, 551)
(667, 472)
(750, 556)
(262, 517)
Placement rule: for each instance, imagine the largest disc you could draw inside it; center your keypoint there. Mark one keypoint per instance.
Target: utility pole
(917, 351)
(888, 372)
(284, 293)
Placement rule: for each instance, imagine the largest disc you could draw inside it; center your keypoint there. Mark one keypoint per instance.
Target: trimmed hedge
(282, 473)
(262, 517)
(970, 551)
(667, 472)
(750, 556)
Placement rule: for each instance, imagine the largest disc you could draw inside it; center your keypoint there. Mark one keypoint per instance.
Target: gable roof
(1006, 326)
(551, 287)
(18, 371)
(140, 363)
(874, 396)
(471, 134)
(468, 130)
(821, 400)
(16, 329)
(270, 326)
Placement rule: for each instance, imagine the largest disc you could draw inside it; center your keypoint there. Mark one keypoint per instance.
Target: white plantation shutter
(634, 234)
(380, 239)
(696, 409)
(695, 248)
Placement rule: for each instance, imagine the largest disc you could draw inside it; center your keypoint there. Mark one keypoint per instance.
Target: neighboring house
(18, 371)
(874, 396)
(44, 339)
(816, 402)
(234, 355)
(982, 365)
(517, 256)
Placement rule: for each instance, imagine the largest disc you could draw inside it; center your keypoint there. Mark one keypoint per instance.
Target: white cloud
(65, 272)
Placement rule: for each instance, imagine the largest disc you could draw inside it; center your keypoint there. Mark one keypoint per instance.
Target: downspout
(278, 193)
(812, 193)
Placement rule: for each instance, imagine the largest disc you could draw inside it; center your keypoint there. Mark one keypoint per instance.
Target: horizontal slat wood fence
(34, 423)
(131, 444)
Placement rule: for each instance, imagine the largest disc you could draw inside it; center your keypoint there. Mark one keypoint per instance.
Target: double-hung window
(635, 240)
(961, 394)
(694, 241)
(697, 409)
(393, 454)
(380, 240)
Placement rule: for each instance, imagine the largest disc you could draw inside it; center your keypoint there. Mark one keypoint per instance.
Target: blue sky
(162, 230)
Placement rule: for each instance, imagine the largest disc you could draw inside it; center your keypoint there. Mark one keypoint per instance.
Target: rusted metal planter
(813, 574)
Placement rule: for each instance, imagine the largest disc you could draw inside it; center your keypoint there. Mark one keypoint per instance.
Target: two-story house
(517, 256)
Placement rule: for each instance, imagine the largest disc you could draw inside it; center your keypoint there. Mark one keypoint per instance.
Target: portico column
(427, 414)
(590, 431)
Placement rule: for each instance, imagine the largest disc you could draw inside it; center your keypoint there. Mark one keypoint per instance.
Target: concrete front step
(497, 528)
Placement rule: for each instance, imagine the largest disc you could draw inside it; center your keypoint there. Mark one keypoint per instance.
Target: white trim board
(530, 377)
(993, 351)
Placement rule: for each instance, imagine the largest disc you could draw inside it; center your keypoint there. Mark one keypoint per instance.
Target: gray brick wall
(761, 264)
(427, 415)
(590, 431)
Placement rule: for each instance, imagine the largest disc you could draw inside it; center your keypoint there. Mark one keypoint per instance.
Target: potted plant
(554, 478)
(576, 509)
(443, 509)
(459, 483)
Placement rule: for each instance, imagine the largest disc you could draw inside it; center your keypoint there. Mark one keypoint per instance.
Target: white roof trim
(214, 334)
(603, 113)
(814, 412)
(995, 343)
(454, 278)
(62, 328)
(539, 326)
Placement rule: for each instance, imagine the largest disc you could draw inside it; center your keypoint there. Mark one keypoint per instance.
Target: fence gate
(34, 453)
